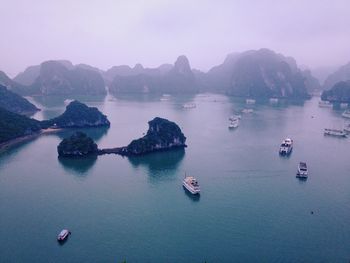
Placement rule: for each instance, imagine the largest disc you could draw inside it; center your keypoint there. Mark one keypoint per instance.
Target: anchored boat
(335, 132)
(63, 235)
(346, 114)
(302, 171)
(191, 184)
(286, 147)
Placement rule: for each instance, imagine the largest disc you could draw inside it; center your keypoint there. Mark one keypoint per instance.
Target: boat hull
(190, 189)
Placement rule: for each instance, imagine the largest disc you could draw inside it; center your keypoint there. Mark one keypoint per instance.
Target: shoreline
(13, 142)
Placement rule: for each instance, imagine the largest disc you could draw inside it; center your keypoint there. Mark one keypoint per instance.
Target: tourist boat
(302, 170)
(324, 104)
(286, 147)
(189, 105)
(165, 97)
(63, 235)
(346, 114)
(273, 100)
(250, 101)
(247, 111)
(343, 105)
(233, 117)
(234, 123)
(335, 132)
(190, 184)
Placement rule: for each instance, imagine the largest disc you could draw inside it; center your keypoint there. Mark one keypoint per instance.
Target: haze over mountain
(108, 33)
(341, 74)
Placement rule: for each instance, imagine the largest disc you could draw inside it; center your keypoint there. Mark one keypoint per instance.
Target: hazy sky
(104, 33)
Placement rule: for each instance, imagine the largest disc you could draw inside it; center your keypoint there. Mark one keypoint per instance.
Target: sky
(104, 33)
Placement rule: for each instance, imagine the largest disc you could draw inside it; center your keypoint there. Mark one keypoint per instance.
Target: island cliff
(79, 144)
(78, 115)
(161, 135)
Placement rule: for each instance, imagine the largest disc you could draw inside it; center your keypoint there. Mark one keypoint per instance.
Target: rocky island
(15, 103)
(340, 93)
(13, 125)
(77, 145)
(78, 115)
(162, 135)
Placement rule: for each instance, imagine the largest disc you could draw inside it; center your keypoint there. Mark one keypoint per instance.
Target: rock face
(161, 135)
(28, 76)
(15, 103)
(79, 144)
(342, 74)
(78, 115)
(178, 78)
(13, 125)
(57, 79)
(340, 92)
(257, 73)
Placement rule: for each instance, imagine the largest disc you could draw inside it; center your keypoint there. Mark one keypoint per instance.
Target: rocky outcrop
(78, 115)
(342, 74)
(15, 103)
(13, 125)
(178, 78)
(256, 73)
(340, 92)
(77, 145)
(161, 135)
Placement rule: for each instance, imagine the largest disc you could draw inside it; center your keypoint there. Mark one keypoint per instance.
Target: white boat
(302, 170)
(343, 105)
(189, 106)
(191, 184)
(63, 235)
(335, 132)
(324, 104)
(250, 101)
(286, 147)
(234, 123)
(346, 114)
(273, 100)
(165, 97)
(247, 111)
(233, 117)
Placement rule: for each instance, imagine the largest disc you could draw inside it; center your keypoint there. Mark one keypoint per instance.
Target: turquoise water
(252, 208)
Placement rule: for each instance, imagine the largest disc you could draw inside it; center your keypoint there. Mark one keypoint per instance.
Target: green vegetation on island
(161, 135)
(13, 125)
(340, 92)
(15, 103)
(78, 144)
(78, 115)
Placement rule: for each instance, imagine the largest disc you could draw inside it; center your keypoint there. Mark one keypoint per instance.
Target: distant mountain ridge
(254, 73)
(341, 74)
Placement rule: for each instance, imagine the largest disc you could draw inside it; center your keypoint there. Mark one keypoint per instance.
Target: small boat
(346, 114)
(273, 100)
(335, 132)
(189, 106)
(234, 123)
(165, 97)
(233, 117)
(343, 105)
(63, 235)
(324, 104)
(250, 101)
(247, 111)
(302, 170)
(286, 147)
(191, 184)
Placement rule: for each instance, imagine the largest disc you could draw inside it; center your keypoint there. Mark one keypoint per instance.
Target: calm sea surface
(251, 209)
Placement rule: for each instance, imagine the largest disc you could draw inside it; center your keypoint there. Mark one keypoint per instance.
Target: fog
(104, 33)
